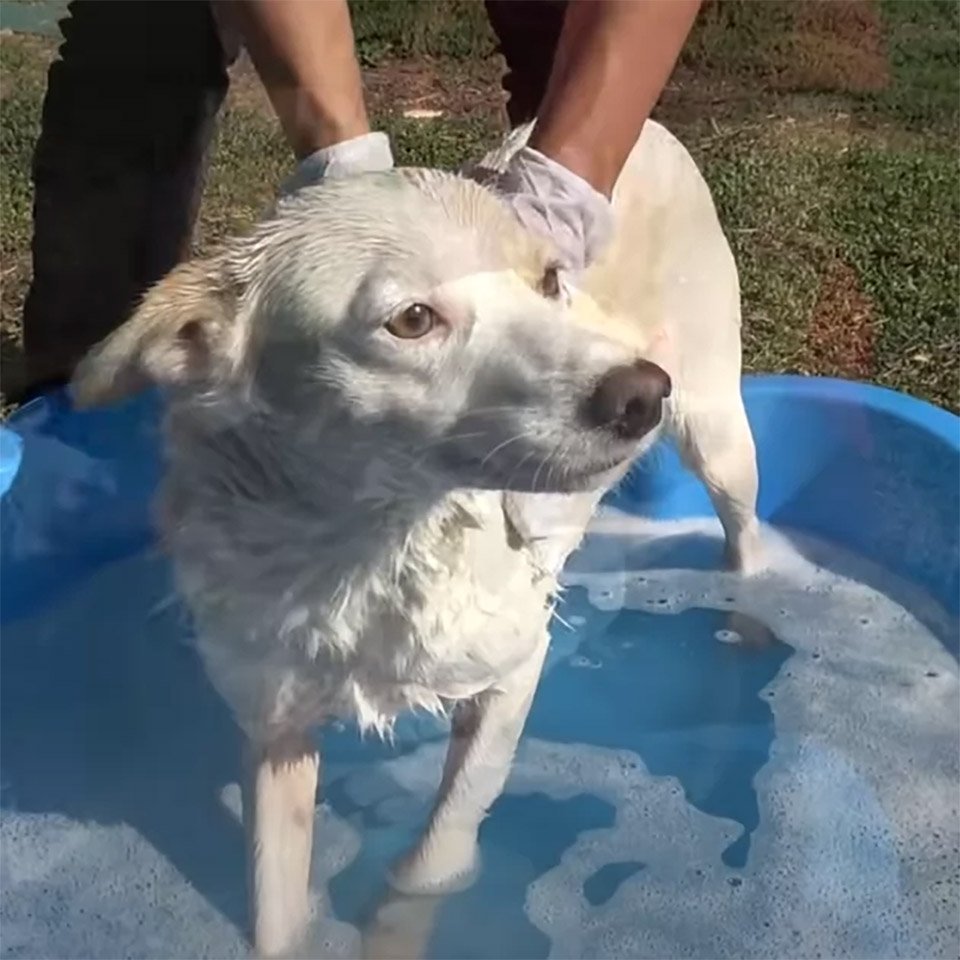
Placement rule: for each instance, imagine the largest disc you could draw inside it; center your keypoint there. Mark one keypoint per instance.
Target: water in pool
(713, 768)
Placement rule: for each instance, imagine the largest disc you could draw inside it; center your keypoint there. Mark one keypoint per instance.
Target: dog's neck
(286, 546)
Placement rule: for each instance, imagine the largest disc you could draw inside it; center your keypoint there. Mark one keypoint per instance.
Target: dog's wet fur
(388, 423)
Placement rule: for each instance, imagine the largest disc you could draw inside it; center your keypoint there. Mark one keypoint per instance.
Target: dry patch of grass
(785, 45)
(841, 334)
(459, 89)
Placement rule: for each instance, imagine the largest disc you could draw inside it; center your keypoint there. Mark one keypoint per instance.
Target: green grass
(864, 177)
(891, 215)
(897, 218)
(454, 29)
(885, 202)
(19, 125)
(21, 83)
(922, 48)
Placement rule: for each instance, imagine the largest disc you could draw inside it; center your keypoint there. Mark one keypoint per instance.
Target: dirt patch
(695, 95)
(841, 336)
(25, 62)
(836, 45)
(765, 49)
(831, 132)
(461, 89)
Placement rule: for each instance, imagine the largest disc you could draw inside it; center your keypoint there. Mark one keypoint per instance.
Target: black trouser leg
(527, 33)
(118, 167)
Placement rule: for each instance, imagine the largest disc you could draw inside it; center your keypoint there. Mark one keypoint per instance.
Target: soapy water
(713, 767)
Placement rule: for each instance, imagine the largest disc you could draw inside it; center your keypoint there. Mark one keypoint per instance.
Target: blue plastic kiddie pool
(713, 767)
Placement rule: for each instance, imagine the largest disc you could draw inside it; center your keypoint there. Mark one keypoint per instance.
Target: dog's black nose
(629, 399)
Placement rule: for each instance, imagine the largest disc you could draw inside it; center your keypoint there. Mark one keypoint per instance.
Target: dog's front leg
(278, 809)
(483, 741)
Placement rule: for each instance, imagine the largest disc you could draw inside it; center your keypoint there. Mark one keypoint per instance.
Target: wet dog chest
(456, 632)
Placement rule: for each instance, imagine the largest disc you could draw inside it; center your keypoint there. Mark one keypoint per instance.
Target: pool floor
(713, 767)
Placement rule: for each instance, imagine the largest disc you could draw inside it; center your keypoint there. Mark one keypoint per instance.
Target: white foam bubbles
(823, 880)
(855, 853)
(857, 848)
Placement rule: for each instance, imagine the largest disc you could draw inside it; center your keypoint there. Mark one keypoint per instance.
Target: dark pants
(118, 169)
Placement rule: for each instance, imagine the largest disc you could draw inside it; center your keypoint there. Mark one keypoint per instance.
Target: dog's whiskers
(519, 464)
(500, 446)
(486, 411)
(544, 462)
(426, 448)
(452, 438)
(557, 456)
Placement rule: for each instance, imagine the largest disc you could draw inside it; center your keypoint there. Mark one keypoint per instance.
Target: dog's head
(407, 310)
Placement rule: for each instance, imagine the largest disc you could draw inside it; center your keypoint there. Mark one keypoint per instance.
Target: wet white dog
(388, 425)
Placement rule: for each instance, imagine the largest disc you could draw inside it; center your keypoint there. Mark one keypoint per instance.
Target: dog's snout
(629, 399)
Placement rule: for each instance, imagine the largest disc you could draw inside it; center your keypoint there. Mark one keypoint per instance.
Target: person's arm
(303, 52)
(613, 60)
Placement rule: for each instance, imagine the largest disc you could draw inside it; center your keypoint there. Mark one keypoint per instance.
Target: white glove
(552, 200)
(368, 153)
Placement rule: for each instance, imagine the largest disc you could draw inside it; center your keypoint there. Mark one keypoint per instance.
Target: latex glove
(554, 201)
(367, 153)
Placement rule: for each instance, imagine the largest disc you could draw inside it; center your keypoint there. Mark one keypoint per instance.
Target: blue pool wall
(869, 469)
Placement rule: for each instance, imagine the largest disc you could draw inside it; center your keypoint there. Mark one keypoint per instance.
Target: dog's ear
(183, 332)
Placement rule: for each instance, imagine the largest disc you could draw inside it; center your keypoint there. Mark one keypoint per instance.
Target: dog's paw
(282, 944)
(446, 862)
(401, 927)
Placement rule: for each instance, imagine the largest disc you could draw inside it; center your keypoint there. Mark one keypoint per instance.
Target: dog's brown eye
(550, 283)
(415, 322)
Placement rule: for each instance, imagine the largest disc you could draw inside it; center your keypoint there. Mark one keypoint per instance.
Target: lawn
(827, 130)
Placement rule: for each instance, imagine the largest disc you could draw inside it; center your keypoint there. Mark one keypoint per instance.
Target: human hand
(368, 153)
(552, 200)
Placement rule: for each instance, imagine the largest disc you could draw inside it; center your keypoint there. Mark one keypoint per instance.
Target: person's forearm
(613, 60)
(303, 51)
